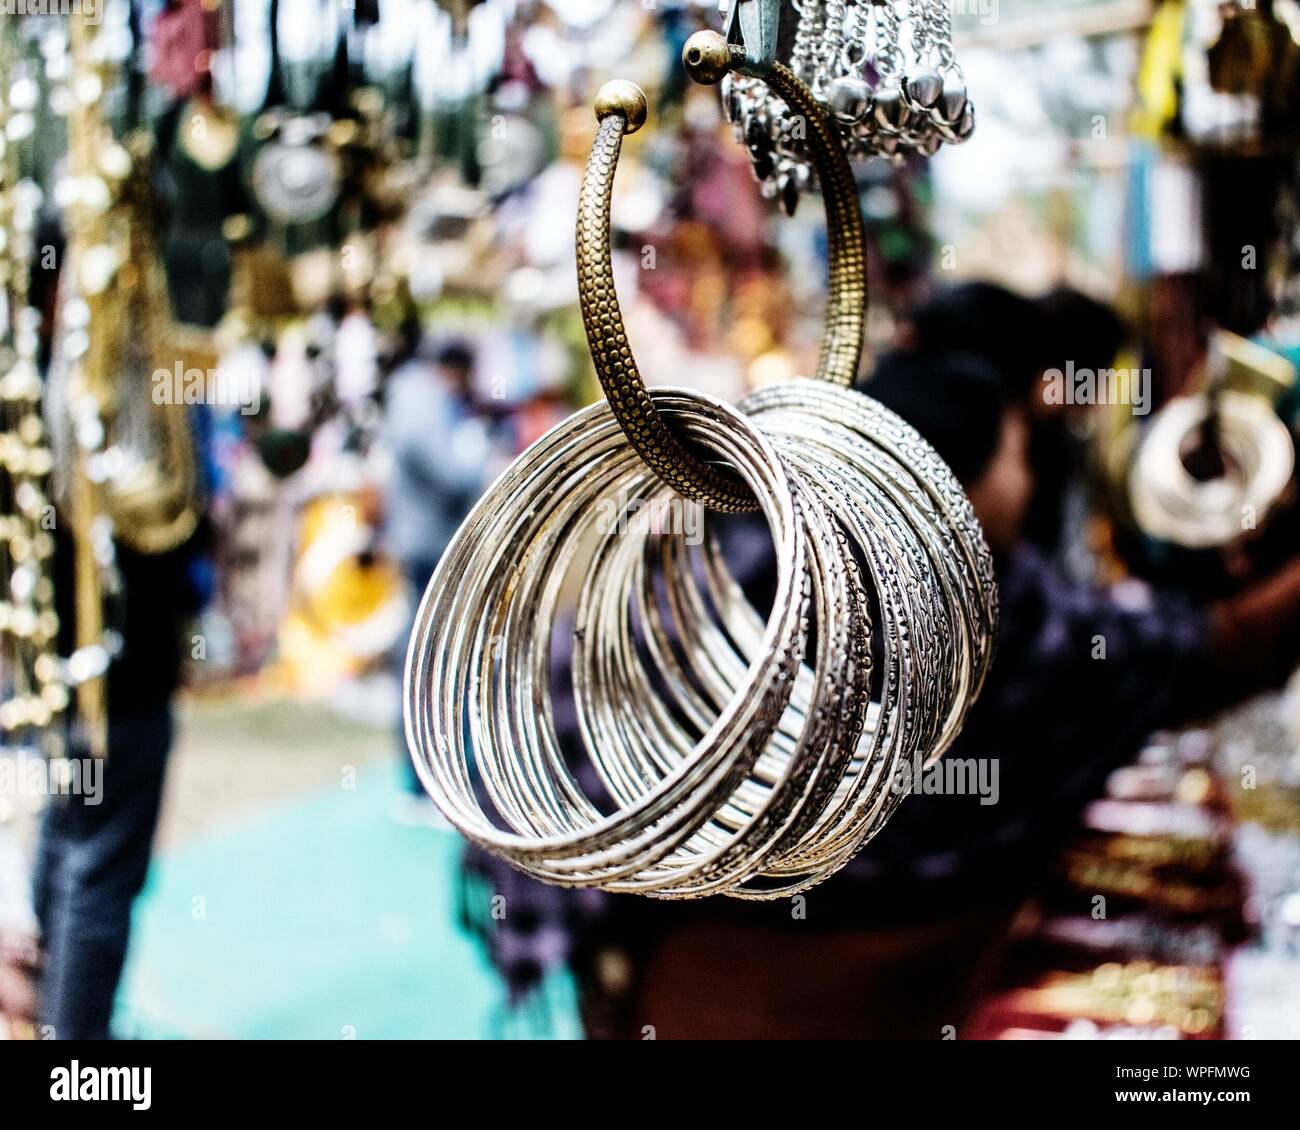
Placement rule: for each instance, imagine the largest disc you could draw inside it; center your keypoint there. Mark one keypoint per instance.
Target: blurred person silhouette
(892, 946)
(441, 448)
(979, 319)
(1024, 340)
(1080, 336)
(94, 851)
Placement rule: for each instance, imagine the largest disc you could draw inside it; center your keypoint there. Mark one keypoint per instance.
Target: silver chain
(940, 18)
(889, 39)
(808, 34)
(832, 45)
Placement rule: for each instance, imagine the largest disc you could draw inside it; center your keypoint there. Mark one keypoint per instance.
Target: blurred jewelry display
(326, 163)
(125, 466)
(296, 177)
(183, 41)
(1187, 999)
(32, 688)
(741, 756)
(297, 174)
(1258, 458)
(1212, 467)
(883, 69)
(1160, 847)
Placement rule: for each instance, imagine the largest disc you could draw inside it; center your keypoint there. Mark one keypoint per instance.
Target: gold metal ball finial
(707, 57)
(625, 98)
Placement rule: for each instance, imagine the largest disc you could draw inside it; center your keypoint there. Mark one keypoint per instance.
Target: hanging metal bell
(967, 126)
(891, 110)
(850, 99)
(923, 87)
(952, 102)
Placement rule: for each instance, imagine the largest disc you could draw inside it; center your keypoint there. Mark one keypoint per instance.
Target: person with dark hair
(1026, 342)
(1080, 329)
(959, 397)
(456, 359)
(1080, 335)
(890, 946)
(981, 319)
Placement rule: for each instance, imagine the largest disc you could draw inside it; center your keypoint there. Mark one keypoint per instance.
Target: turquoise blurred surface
(319, 919)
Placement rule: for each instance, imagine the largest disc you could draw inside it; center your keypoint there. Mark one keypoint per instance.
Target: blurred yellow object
(348, 607)
(210, 133)
(1160, 72)
(1248, 367)
(262, 284)
(772, 367)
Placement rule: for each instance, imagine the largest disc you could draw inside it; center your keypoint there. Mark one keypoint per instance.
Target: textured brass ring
(621, 108)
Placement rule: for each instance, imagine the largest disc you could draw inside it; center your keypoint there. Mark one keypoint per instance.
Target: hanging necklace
(884, 69)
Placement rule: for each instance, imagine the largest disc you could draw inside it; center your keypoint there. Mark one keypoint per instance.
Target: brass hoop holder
(621, 108)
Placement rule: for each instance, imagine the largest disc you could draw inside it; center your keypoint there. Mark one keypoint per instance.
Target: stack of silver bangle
(741, 758)
(737, 754)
